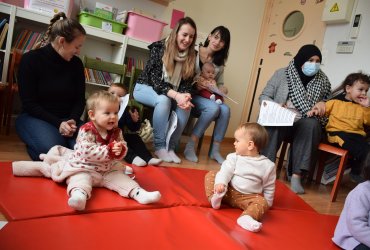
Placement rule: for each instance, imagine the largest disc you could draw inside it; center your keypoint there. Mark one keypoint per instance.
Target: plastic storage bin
(144, 28)
(97, 21)
(50, 7)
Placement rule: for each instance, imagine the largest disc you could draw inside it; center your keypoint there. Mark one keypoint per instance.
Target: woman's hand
(183, 100)
(219, 188)
(68, 128)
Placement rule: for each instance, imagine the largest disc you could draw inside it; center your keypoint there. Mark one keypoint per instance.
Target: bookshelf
(107, 46)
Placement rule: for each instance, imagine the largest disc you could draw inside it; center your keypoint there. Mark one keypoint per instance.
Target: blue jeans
(40, 136)
(209, 111)
(163, 106)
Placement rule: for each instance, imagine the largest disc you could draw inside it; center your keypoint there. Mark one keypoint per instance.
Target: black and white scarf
(303, 98)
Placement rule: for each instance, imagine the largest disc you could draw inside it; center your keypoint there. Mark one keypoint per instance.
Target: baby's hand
(223, 89)
(117, 148)
(364, 101)
(219, 188)
(312, 112)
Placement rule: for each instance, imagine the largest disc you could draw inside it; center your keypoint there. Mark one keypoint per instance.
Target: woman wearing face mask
(298, 87)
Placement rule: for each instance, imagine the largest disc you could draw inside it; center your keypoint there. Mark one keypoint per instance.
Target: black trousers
(136, 147)
(357, 147)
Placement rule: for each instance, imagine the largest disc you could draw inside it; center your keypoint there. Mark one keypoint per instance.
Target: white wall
(338, 66)
(242, 17)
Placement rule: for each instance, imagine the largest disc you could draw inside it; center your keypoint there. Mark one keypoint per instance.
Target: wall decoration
(287, 53)
(272, 47)
(303, 2)
(176, 15)
(319, 1)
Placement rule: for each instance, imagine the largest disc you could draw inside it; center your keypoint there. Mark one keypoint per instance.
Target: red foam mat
(34, 197)
(170, 228)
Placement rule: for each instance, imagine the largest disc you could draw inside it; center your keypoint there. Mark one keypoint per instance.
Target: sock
(212, 97)
(189, 151)
(218, 101)
(139, 162)
(78, 199)
(216, 199)
(144, 197)
(154, 161)
(295, 184)
(215, 154)
(247, 222)
(128, 170)
(163, 155)
(174, 157)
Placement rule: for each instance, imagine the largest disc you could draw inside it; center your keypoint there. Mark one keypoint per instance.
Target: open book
(272, 114)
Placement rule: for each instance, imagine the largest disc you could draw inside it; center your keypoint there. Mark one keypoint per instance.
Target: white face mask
(310, 68)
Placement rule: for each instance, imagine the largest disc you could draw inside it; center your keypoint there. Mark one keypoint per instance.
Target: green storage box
(96, 21)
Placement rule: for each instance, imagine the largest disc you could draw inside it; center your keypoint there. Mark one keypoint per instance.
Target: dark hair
(62, 26)
(257, 133)
(220, 57)
(350, 80)
(366, 167)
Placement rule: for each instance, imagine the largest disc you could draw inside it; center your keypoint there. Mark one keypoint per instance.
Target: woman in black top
(52, 88)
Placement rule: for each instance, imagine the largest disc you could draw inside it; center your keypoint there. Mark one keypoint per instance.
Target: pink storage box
(144, 28)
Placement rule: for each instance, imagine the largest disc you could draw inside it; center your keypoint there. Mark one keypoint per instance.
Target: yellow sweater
(346, 116)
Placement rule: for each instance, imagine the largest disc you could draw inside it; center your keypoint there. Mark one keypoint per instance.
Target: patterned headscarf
(304, 91)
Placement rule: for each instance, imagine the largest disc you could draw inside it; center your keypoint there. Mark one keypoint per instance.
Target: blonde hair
(257, 133)
(95, 99)
(171, 51)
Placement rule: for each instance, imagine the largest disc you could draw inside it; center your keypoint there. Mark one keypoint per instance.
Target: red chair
(12, 87)
(325, 149)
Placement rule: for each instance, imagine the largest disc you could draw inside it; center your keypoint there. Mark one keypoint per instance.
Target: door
(281, 36)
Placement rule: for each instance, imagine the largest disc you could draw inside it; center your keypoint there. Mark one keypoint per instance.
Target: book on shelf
(3, 35)
(3, 22)
(27, 40)
(98, 76)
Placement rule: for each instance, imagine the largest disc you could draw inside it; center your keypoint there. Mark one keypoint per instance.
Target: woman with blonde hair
(166, 83)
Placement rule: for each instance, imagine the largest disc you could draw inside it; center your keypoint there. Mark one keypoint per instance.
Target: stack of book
(99, 77)
(27, 40)
(4, 26)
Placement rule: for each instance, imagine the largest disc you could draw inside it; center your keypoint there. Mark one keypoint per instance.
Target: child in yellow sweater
(348, 113)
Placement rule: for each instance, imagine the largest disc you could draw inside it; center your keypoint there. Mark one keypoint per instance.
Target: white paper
(272, 114)
(123, 105)
(215, 90)
(171, 127)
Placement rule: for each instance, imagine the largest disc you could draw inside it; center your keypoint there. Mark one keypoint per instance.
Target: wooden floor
(318, 196)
